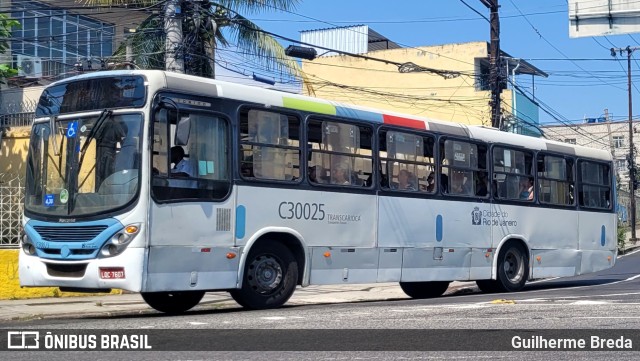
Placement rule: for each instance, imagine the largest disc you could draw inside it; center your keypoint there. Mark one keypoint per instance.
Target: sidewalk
(628, 245)
(132, 303)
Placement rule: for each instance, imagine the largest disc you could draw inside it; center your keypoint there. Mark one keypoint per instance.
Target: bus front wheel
(424, 289)
(270, 277)
(173, 302)
(512, 271)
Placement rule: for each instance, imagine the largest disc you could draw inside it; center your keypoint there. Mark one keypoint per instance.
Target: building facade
(460, 95)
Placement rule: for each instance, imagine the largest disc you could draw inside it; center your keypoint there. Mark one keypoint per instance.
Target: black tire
(173, 302)
(270, 277)
(424, 289)
(512, 272)
(487, 286)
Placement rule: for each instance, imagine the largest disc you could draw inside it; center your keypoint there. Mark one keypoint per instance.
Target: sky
(584, 78)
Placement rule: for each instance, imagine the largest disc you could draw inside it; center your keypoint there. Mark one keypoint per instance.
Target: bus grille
(223, 219)
(69, 234)
(66, 270)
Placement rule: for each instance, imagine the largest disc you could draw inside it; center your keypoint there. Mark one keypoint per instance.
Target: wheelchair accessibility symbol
(72, 130)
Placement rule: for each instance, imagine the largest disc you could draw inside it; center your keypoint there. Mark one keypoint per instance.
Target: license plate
(112, 273)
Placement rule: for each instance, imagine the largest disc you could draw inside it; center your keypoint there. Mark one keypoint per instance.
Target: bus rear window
(92, 94)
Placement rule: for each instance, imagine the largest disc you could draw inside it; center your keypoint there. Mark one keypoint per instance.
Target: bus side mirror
(183, 129)
(162, 115)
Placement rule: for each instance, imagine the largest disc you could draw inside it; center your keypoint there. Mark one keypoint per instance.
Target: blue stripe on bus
(241, 220)
(603, 237)
(439, 228)
(359, 114)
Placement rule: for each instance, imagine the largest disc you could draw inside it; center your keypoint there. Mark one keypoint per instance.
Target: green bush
(622, 235)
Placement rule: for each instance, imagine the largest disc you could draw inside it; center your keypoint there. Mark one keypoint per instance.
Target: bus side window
(269, 145)
(340, 152)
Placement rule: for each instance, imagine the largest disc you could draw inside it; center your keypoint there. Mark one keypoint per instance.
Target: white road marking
(589, 302)
(198, 323)
(273, 318)
(628, 254)
(632, 278)
(544, 280)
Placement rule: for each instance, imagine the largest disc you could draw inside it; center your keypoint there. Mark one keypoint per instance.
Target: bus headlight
(27, 246)
(120, 240)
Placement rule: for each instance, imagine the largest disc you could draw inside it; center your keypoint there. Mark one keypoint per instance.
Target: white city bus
(173, 185)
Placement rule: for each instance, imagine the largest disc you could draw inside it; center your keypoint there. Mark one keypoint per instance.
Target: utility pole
(174, 60)
(494, 63)
(632, 159)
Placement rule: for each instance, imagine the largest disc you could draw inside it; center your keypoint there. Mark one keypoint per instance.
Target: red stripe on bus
(405, 122)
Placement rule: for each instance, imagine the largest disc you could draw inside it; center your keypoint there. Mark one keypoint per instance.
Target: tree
(6, 71)
(205, 25)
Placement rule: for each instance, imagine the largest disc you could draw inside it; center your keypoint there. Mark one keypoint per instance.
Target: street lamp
(302, 52)
(308, 53)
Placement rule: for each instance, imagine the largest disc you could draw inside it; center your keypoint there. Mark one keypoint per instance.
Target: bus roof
(277, 98)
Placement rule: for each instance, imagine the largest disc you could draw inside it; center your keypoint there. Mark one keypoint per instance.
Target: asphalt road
(605, 303)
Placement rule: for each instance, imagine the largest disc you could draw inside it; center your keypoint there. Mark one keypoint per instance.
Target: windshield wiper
(106, 114)
(53, 130)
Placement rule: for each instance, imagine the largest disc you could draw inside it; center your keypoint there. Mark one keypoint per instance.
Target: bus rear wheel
(512, 272)
(424, 289)
(173, 302)
(270, 277)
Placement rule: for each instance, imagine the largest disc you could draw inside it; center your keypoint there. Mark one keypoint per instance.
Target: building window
(570, 140)
(621, 165)
(618, 141)
(59, 37)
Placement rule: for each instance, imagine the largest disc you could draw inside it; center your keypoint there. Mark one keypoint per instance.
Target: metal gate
(11, 205)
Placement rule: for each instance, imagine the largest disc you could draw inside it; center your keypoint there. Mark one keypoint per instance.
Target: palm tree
(205, 25)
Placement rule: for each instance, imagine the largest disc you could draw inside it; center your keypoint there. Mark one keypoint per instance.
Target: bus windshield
(83, 166)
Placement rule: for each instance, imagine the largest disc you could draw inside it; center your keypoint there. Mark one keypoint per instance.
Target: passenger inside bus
(404, 181)
(431, 183)
(313, 175)
(181, 166)
(459, 183)
(526, 188)
(444, 183)
(340, 175)
(481, 184)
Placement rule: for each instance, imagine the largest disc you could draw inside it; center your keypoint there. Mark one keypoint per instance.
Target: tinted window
(339, 153)
(556, 180)
(270, 145)
(407, 162)
(513, 178)
(595, 189)
(92, 94)
(464, 168)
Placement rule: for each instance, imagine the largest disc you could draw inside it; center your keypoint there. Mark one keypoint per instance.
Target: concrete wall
(13, 151)
(380, 85)
(18, 100)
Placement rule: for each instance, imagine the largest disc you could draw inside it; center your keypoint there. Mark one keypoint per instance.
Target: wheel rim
(513, 266)
(265, 274)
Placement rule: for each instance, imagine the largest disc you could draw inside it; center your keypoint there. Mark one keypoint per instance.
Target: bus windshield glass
(83, 166)
(92, 94)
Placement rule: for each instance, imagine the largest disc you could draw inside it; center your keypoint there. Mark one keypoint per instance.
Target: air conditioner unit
(29, 66)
